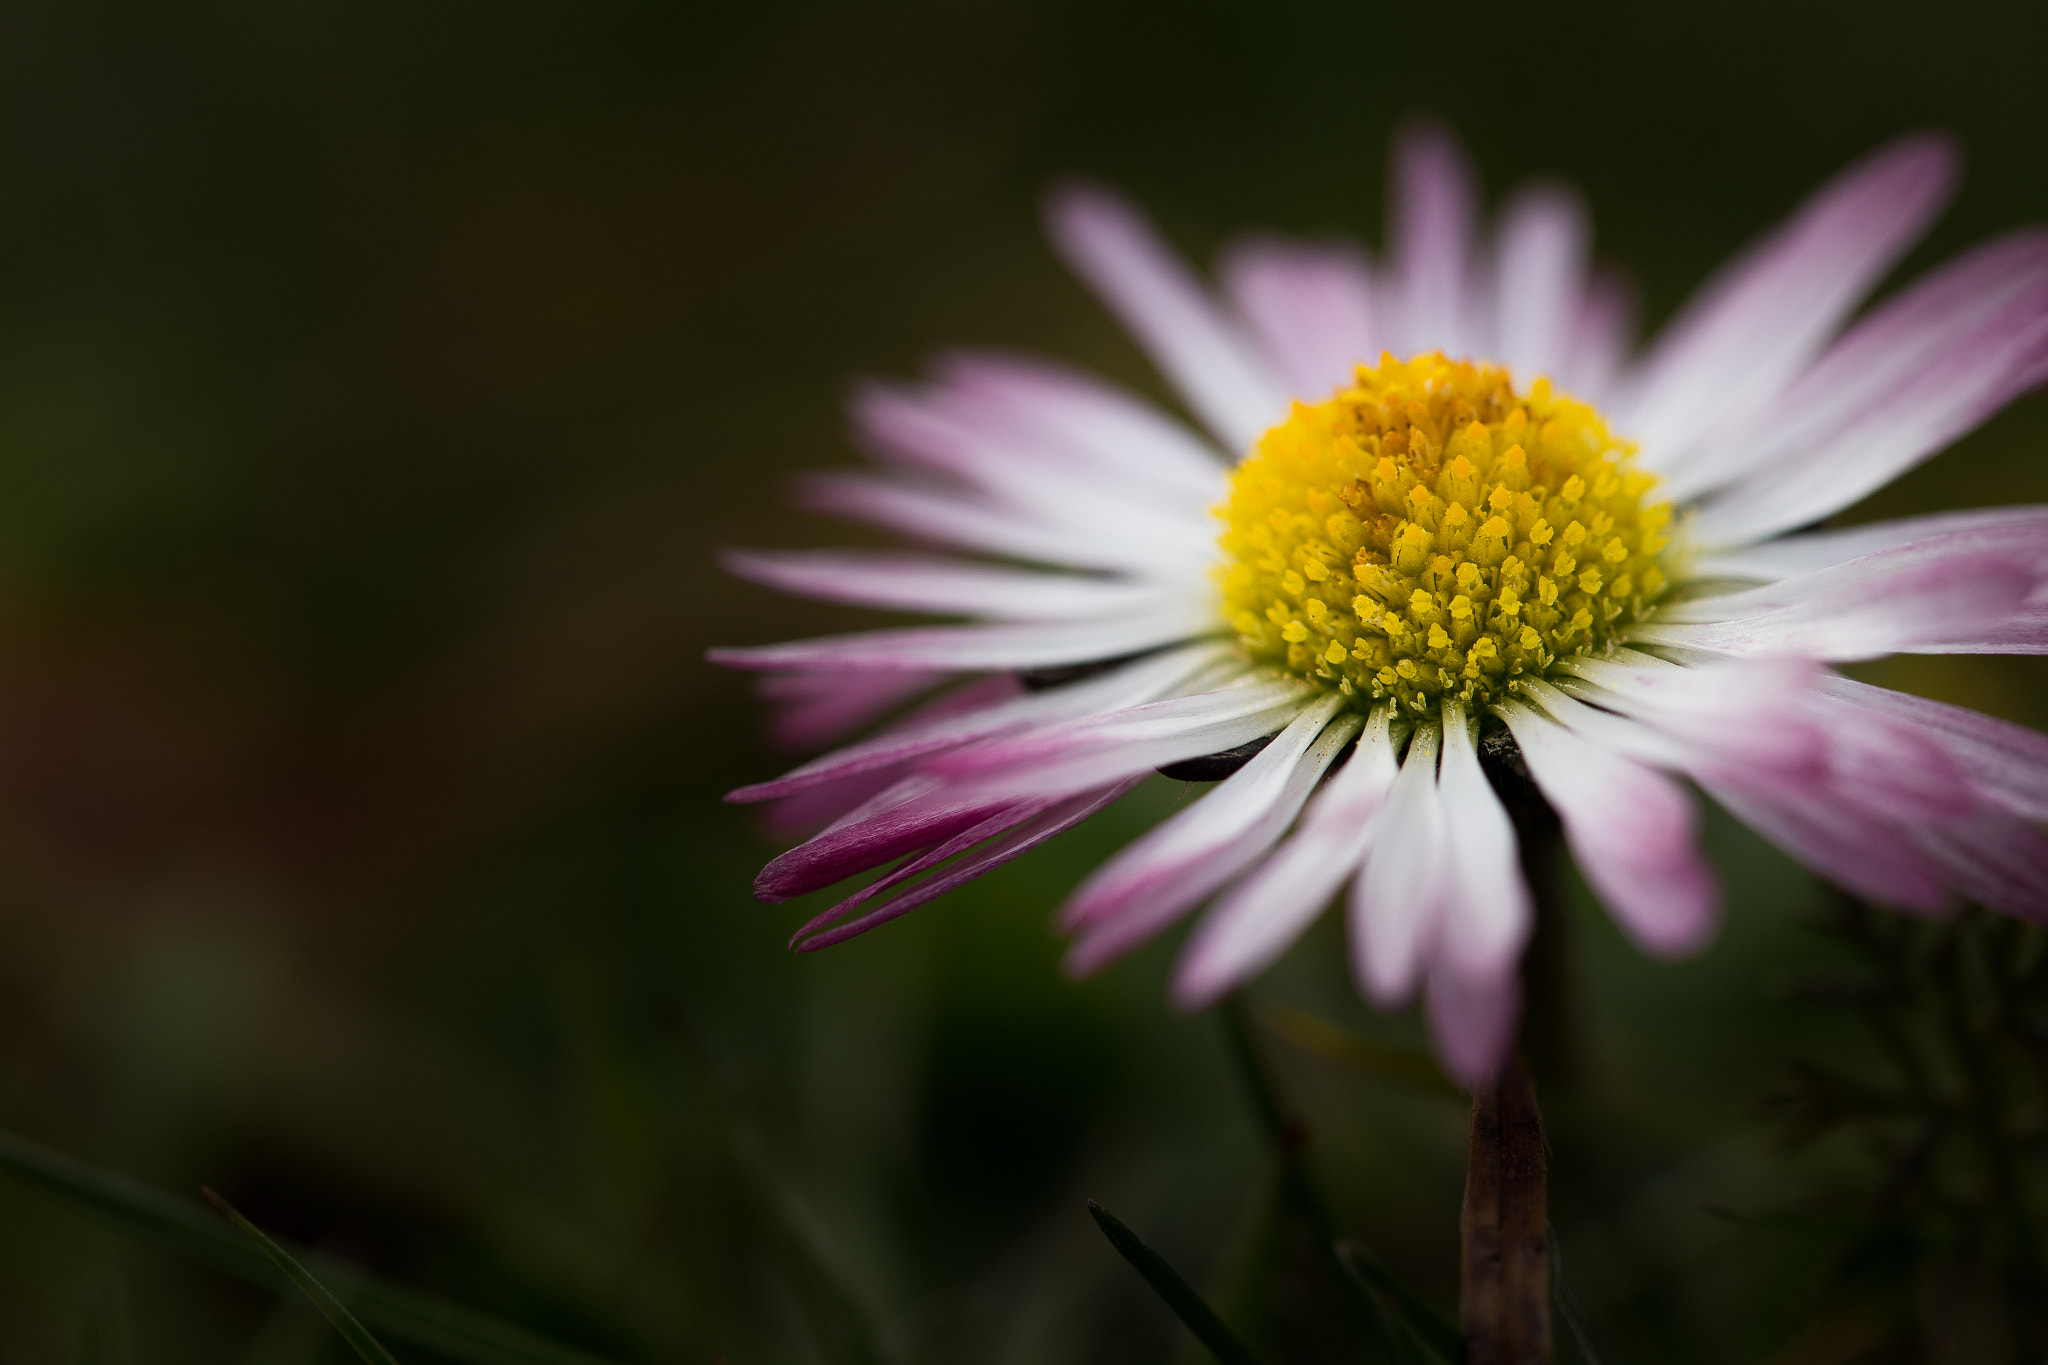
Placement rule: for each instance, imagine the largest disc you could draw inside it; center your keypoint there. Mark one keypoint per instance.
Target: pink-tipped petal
(1257, 920)
(1602, 337)
(1194, 343)
(964, 520)
(1632, 831)
(1857, 852)
(1472, 1022)
(911, 816)
(1999, 360)
(1993, 857)
(1748, 333)
(1043, 823)
(1539, 281)
(1106, 748)
(1864, 371)
(1888, 766)
(1397, 901)
(811, 709)
(987, 707)
(2002, 528)
(1432, 229)
(1086, 424)
(1488, 914)
(1930, 592)
(1168, 872)
(946, 587)
(2006, 763)
(1310, 307)
(975, 649)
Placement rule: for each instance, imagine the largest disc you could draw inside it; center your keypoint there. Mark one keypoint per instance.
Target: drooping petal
(811, 709)
(1488, 914)
(1397, 901)
(2006, 763)
(1632, 831)
(1196, 345)
(1472, 1021)
(1432, 231)
(1930, 592)
(1947, 311)
(1003, 710)
(909, 817)
(1859, 852)
(1748, 715)
(1105, 748)
(1168, 872)
(1257, 920)
(1015, 833)
(1539, 281)
(1888, 766)
(1748, 333)
(1310, 307)
(1991, 856)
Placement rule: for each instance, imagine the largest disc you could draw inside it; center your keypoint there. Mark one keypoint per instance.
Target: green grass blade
(180, 1226)
(354, 1333)
(1436, 1332)
(1193, 1311)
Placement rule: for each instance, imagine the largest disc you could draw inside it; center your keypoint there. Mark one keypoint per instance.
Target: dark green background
(376, 382)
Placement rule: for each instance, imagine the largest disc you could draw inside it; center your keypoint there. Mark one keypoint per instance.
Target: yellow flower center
(1429, 532)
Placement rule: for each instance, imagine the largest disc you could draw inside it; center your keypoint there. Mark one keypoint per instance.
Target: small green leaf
(1195, 1314)
(353, 1332)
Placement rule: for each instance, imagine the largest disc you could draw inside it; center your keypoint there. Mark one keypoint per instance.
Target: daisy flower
(1434, 495)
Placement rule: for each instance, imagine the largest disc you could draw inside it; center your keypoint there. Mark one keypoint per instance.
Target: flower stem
(1504, 1278)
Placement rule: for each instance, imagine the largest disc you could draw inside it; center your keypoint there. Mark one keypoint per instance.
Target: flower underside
(1430, 533)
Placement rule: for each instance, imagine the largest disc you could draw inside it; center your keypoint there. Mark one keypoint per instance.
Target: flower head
(1442, 495)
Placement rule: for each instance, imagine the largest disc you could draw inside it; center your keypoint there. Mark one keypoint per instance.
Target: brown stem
(1504, 1284)
(1505, 1277)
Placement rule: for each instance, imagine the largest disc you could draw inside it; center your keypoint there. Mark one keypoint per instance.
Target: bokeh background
(377, 381)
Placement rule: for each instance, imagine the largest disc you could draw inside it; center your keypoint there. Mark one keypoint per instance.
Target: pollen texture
(1429, 532)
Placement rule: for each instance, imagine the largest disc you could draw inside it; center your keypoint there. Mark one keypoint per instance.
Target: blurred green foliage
(376, 381)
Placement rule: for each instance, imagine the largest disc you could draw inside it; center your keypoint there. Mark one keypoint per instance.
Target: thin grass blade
(1193, 1311)
(354, 1333)
(182, 1227)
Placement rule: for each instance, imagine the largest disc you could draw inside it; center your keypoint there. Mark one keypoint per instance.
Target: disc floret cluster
(1428, 533)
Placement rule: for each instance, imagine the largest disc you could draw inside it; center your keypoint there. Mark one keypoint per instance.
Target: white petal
(1106, 748)
(1396, 902)
(1088, 422)
(1165, 874)
(2018, 528)
(1432, 230)
(1861, 373)
(1930, 592)
(1472, 1021)
(942, 728)
(1601, 339)
(907, 582)
(983, 648)
(1254, 924)
(1310, 306)
(1918, 416)
(1194, 342)
(1539, 281)
(968, 521)
(2006, 763)
(1632, 831)
(1747, 334)
(1488, 914)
